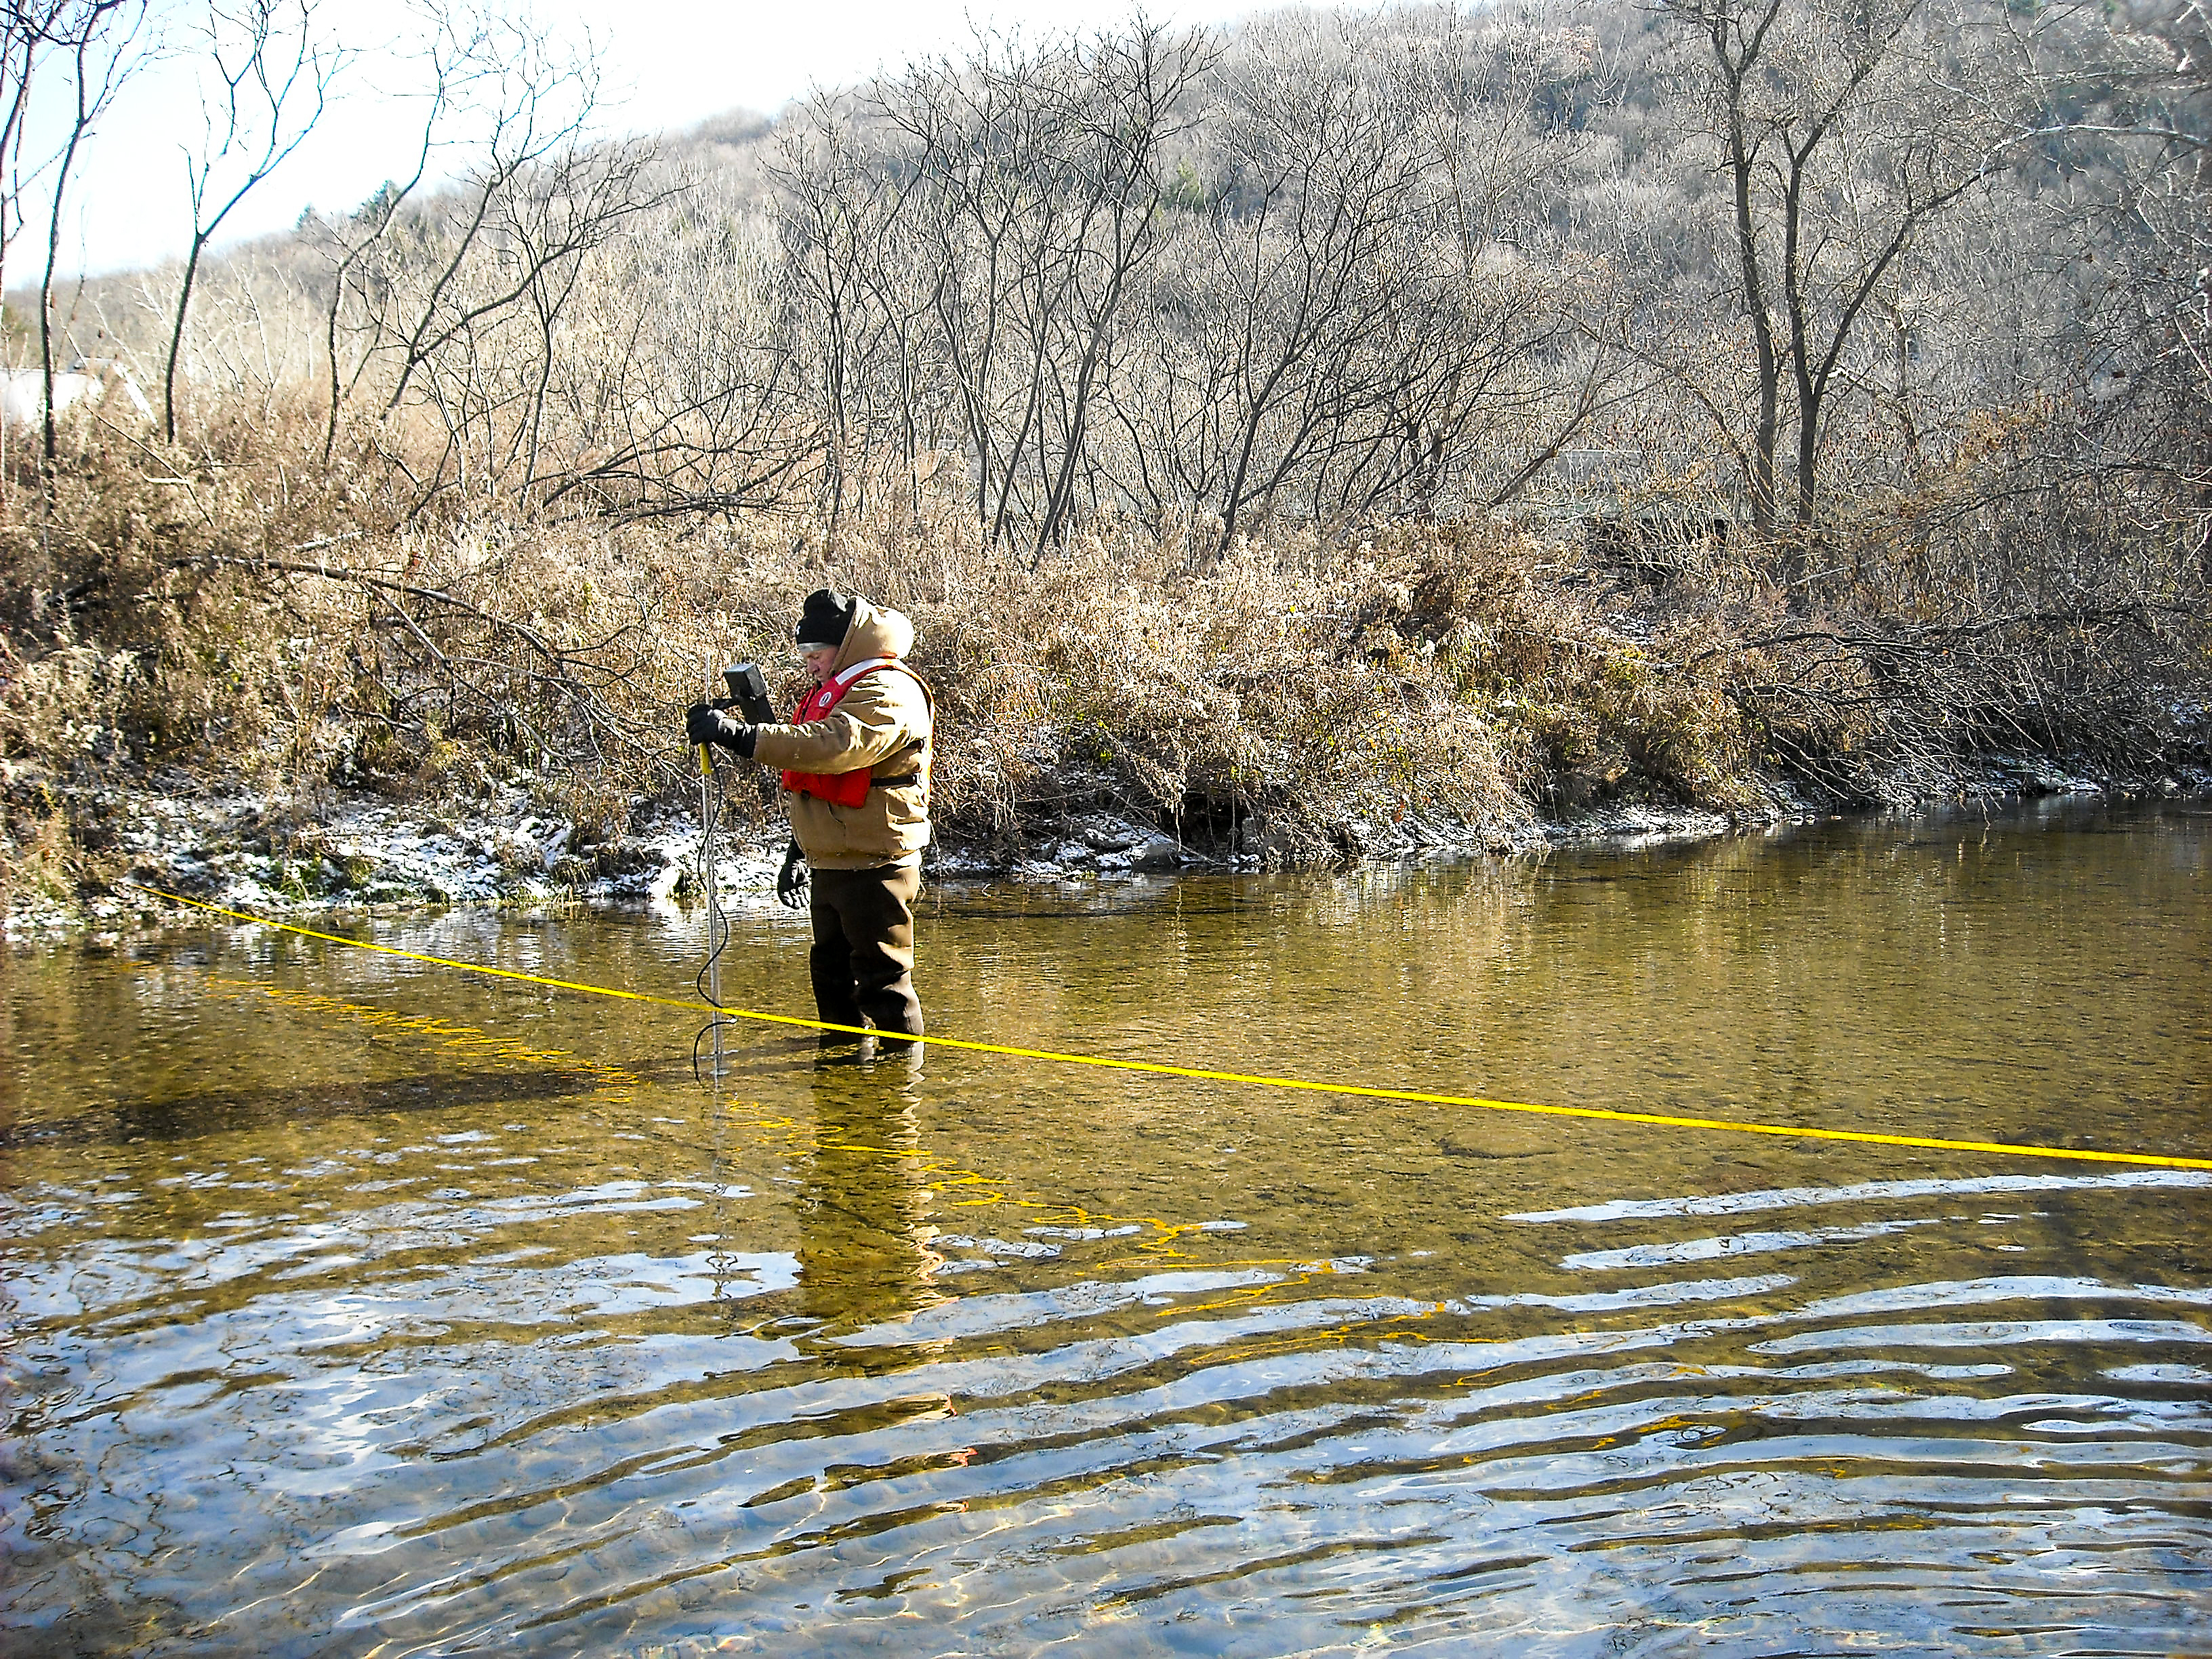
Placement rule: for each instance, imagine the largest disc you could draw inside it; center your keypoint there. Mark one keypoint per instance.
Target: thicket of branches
(1854, 369)
(1327, 269)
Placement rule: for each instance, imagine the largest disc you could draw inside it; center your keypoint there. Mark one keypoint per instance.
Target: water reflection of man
(866, 1253)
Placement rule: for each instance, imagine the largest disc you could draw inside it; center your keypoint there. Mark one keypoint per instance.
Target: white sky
(668, 65)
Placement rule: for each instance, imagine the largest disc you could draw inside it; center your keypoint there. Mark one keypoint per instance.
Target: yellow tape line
(1595, 1114)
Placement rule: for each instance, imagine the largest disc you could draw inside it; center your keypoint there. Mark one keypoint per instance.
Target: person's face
(819, 661)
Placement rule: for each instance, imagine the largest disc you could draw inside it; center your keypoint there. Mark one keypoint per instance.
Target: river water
(357, 1306)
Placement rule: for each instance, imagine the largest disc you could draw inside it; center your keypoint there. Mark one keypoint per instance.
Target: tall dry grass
(236, 608)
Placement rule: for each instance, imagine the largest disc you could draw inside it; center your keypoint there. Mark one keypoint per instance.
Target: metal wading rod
(708, 876)
(1155, 1068)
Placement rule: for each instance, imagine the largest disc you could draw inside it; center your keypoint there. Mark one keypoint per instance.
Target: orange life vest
(838, 788)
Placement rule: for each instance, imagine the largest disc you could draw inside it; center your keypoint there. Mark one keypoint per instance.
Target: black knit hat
(824, 619)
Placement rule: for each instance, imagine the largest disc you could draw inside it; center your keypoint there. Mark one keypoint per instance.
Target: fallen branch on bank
(575, 675)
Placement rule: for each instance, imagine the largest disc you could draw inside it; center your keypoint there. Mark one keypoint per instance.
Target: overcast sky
(669, 64)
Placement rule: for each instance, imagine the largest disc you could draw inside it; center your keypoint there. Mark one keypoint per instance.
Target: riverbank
(309, 701)
(353, 853)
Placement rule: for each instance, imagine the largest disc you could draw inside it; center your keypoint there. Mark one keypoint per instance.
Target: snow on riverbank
(271, 855)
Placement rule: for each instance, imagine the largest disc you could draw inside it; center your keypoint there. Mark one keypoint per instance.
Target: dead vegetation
(1341, 421)
(235, 610)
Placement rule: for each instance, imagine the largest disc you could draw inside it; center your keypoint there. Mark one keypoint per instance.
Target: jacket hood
(873, 633)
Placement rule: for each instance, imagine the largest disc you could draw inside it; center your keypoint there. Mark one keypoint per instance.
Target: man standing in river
(856, 757)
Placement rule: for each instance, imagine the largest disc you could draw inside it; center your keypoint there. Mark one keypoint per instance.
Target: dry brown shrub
(303, 634)
(238, 606)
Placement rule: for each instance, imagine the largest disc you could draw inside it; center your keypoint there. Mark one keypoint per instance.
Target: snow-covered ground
(272, 855)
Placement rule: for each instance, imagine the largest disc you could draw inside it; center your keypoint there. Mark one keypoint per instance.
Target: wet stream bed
(357, 1306)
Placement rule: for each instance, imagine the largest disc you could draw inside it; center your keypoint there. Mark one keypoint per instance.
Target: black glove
(704, 723)
(791, 881)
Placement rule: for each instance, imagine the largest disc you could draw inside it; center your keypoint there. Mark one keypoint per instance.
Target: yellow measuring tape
(1252, 1079)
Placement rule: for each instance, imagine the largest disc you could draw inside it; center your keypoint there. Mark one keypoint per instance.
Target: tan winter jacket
(884, 723)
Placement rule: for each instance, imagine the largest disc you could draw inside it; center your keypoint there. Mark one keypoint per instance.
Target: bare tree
(1331, 155)
(1840, 136)
(693, 404)
(1367, 304)
(864, 286)
(453, 301)
(457, 52)
(2164, 121)
(85, 50)
(265, 79)
(1027, 184)
(28, 32)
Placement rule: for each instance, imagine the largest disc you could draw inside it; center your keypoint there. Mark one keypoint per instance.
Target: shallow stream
(357, 1306)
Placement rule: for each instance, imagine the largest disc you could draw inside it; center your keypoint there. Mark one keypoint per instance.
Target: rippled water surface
(360, 1306)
